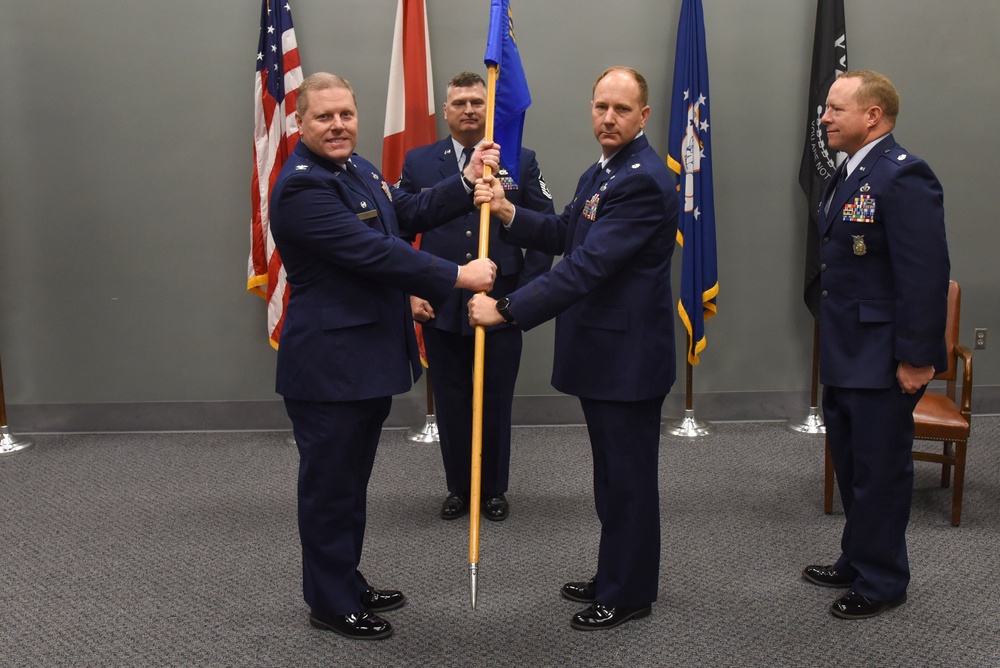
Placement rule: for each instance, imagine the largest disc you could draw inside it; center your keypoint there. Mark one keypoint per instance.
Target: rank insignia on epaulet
(300, 168)
(902, 156)
(636, 166)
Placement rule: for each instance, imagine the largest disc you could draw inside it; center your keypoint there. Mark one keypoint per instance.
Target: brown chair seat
(937, 418)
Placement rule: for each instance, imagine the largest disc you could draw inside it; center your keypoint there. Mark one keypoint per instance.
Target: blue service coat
(348, 331)
(884, 270)
(611, 293)
(458, 239)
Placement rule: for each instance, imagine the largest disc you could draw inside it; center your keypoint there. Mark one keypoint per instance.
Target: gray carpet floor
(181, 549)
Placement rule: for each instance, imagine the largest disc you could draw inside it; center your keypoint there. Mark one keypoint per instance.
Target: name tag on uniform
(367, 214)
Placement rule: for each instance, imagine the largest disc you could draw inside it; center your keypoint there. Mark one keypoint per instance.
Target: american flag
(279, 75)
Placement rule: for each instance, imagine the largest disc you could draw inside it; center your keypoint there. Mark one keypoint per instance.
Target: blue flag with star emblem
(689, 155)
(512, 96)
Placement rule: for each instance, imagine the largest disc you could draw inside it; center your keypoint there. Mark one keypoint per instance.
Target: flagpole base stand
(688, 427)
(473, 574)
(428, 433)
(812, 424)
(11, 444)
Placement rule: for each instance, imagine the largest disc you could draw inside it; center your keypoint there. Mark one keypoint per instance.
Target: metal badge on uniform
(590, 208)
(367, 214)
(301, 167)
(865, 188)
(902, 156)
(385, 189)
(364, 204)
(859, 244)
(862, 210)
(604, 186)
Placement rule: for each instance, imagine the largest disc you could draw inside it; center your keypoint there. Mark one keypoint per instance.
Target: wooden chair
(938, 417)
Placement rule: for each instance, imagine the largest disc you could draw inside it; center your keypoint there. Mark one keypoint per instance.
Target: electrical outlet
(980, 342)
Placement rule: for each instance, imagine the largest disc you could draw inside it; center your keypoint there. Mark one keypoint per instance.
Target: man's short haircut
(639, 79)
(466, 79)
(320, 81)
(876, 89)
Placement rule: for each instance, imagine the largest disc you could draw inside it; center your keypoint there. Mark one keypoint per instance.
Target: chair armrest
(964, 354)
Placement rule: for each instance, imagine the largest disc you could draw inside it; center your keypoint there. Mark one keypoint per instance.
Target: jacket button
(826, 240)
(468, 233)
(822, 267)
(824, 294)
(468, 256)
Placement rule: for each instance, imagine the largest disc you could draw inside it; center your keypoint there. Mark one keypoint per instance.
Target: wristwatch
(503, 306)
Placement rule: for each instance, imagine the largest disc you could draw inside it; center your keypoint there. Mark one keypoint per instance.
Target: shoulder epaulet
(898, 154)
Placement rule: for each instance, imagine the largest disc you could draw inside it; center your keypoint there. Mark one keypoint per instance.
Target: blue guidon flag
(689, 155)
(512, 96)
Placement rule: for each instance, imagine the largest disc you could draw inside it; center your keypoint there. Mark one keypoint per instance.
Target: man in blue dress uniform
(449, 339)
(614, 342)
(347, 344)
(884, 273)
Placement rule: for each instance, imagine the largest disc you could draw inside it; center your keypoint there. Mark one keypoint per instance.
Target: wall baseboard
(408, 411)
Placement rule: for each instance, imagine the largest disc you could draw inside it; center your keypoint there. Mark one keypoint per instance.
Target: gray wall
(125, 150)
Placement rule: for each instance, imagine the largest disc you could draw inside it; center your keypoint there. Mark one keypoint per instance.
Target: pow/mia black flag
(818, 163)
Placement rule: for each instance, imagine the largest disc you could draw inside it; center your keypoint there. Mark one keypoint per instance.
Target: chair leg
(828, 481)
(956, 494)
(948, 451)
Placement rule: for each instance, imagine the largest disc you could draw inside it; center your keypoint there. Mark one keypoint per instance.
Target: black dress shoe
(454, 506)
(382, 600)
(826, 576)
(582, 592)
(496, 508)
(853, 605)
(599, 617)
(358, 626)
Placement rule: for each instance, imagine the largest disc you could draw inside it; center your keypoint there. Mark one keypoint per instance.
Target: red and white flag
(409, 107)
(279, 75)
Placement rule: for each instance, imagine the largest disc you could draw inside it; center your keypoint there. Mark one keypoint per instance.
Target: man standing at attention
(449, 339)
(347, 344)
(614, 346)
(883, 305)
